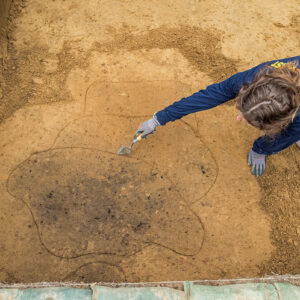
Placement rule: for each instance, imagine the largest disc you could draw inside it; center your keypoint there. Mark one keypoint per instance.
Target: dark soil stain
(96, 272)
(87, 202)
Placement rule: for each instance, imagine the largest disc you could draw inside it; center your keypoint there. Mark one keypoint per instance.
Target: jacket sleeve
(266, 145)
(213, 95)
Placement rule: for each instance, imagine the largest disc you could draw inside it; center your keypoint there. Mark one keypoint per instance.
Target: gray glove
(257, 161)
(148, 126)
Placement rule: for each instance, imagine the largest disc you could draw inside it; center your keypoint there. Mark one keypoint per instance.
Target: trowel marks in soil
(87, 201)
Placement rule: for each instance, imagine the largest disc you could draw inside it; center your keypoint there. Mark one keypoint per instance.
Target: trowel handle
(137, 138)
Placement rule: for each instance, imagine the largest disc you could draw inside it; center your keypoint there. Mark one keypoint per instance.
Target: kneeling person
(268, 98)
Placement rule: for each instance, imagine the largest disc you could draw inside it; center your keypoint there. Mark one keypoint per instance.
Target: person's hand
(148, 126)
(257, 161)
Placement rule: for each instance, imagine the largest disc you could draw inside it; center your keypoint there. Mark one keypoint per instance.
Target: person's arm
(210, 97)
(267, 146)
(213, 95)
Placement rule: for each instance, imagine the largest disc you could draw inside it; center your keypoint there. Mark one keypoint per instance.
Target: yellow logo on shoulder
(278, 64)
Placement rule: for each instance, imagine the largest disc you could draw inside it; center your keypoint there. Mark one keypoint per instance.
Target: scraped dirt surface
(78, 80)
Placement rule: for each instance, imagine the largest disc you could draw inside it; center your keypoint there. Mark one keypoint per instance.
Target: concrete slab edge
(271, 288)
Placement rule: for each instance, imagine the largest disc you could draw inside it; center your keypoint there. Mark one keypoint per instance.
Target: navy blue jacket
(226, 90)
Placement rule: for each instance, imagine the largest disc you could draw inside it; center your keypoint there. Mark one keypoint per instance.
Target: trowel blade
(124, 150)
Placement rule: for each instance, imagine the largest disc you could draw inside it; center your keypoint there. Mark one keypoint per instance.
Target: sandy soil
(77, 82)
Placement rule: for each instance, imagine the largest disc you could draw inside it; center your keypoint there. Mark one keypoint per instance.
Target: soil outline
(99, 252)
(147, 244)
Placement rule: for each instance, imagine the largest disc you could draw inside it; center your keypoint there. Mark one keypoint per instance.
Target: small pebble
(37, 80)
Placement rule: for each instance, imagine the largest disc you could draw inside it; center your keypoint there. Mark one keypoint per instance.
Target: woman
(268, 98)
